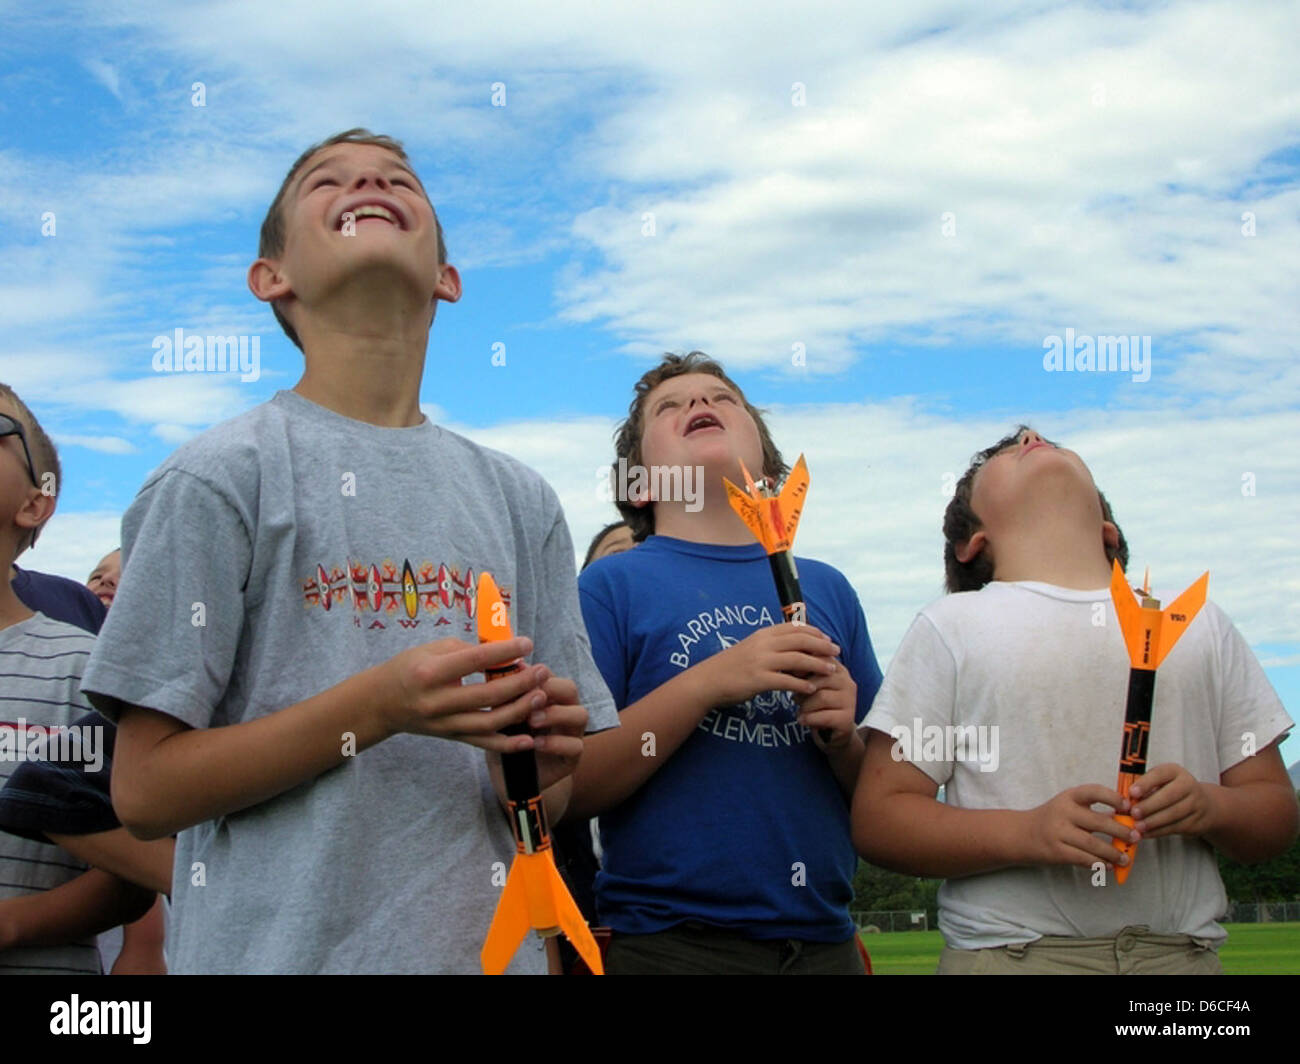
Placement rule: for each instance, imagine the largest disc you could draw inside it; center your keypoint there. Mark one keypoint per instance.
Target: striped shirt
(41, 662)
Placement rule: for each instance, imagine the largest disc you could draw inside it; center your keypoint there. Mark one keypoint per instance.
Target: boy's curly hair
(960, 523)
(627, 437)
(271, 243)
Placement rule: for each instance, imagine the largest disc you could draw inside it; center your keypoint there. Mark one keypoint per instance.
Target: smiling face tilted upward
(356, 221)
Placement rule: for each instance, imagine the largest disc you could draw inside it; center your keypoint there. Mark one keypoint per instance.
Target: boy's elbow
(137, 810)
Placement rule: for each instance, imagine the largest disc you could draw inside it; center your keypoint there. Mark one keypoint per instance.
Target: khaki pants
(1133, 951)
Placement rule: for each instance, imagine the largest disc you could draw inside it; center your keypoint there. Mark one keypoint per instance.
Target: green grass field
(1251, 949)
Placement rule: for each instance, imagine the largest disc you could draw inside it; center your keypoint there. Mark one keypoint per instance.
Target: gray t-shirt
(270, 559)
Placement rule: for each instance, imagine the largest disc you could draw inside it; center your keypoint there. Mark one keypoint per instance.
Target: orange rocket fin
(793, 493)
(1179, 615)
(493, 617)
(772, 519)
(748, 506)
(574, 925)
(509, 923)
(1129, 613)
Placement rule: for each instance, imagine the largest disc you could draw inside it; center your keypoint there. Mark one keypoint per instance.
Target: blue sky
(916, 200)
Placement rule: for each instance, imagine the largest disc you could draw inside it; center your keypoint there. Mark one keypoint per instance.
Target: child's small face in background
(698, 420)
(615, 541)
(104, 580)
(1027, 467)
(354, 206)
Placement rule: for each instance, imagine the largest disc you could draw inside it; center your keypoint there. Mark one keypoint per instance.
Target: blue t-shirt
(744, 826)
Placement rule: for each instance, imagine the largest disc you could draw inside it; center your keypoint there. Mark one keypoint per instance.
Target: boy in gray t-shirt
(289, 651)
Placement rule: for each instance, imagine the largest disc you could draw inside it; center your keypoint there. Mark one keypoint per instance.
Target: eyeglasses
(9, 427)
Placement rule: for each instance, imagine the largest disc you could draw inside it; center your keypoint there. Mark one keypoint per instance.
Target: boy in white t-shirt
(1011, 693)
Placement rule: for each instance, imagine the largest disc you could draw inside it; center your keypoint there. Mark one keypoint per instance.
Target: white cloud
(72, 543)
(106, 75)
(103, 444)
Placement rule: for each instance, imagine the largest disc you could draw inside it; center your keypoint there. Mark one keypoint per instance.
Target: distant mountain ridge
(1294, 773)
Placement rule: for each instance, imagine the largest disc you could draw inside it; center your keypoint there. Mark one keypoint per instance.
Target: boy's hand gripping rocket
(534, 895)
(773, 518)
(1149, 634)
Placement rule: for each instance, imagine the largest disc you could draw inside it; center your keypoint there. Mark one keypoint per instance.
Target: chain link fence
(1262, 912)
(872, 920)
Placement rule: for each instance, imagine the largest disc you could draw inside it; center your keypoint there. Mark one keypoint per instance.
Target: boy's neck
(715, 522)
(366, 379)
(1053, 551)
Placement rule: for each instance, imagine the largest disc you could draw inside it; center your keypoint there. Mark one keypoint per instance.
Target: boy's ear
(1110, 535)
(36, 509)
(966, 552)
(448, 288)
(266, 282)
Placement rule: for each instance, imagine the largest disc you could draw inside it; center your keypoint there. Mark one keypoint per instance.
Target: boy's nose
(370, 176)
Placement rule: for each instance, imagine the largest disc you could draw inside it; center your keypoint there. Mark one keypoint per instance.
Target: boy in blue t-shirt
(725, 816)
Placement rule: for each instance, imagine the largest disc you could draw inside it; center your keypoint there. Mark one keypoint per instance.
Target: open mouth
(702, 421)
(371, 212)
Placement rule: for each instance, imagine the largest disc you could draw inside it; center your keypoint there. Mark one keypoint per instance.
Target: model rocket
(773, 517)
(534, 895)
(1149, 634)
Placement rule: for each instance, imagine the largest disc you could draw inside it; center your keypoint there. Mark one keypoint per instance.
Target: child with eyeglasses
(51, 904)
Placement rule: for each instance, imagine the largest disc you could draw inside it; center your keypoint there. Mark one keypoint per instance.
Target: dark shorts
(697, 949)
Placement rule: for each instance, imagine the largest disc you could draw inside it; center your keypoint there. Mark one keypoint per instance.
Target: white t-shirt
(1041, 673)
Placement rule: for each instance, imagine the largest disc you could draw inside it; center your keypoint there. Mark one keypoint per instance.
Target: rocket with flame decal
(1149, 634)
(534, 895)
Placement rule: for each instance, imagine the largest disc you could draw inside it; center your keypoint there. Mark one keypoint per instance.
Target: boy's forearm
(1252, 821)
(921, 836)
(617, 762)
(146, 864)
(142, 945)
(194, 775)
(92, 903)
(846, 763)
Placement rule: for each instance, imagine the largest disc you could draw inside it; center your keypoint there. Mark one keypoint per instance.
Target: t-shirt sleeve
(562, 643)
(170, 640)
(603, 630)
(919, 690)
(1252, 715)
